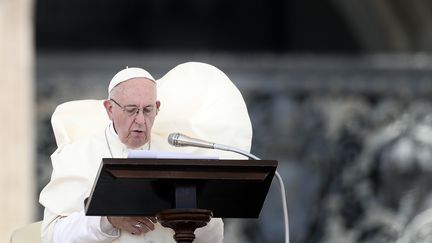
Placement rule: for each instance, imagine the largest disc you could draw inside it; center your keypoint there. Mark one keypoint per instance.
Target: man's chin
(136, 143)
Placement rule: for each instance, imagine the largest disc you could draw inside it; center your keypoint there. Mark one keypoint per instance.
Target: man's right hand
(133, 225)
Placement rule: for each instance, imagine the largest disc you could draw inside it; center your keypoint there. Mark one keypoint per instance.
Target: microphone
(181, 140)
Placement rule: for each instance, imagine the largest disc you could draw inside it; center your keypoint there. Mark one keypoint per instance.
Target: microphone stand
(278, 176)
(180, 140)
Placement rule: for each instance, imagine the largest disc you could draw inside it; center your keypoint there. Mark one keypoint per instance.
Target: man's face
(133, 128)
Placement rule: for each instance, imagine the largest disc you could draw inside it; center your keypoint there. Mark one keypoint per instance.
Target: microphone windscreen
(172, 138)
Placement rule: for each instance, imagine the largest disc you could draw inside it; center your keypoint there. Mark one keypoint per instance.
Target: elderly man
(132, 107)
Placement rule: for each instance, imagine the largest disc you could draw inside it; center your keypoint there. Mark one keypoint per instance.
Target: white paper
(149, 154)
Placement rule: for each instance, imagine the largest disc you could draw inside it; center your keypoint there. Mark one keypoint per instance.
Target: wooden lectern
(184, 194)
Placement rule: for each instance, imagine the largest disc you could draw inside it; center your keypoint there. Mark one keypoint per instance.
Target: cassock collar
(118, 149)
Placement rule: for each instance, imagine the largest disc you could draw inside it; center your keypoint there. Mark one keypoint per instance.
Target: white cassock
(197, 99)
(75, 167)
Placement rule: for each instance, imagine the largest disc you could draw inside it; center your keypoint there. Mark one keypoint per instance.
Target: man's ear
(108, 107)
(158, 104)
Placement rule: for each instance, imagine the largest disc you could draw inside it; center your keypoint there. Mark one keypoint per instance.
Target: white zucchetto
(129, 73)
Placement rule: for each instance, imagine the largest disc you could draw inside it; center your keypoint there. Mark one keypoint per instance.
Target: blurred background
(339, 92)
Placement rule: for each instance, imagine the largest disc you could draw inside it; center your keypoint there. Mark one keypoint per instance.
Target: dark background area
(277, 26)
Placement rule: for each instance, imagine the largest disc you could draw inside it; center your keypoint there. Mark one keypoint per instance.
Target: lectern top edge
(196, 162)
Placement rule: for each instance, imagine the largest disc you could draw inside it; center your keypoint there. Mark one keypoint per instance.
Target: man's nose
(140, 117)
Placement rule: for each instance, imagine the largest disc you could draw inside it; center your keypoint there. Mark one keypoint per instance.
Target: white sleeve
(211, 233)
(77, 228)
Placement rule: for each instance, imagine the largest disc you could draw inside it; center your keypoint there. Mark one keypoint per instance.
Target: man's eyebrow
(131, 106)
(151, 105)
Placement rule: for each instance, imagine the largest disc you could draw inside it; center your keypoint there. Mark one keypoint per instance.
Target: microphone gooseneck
(181, 140)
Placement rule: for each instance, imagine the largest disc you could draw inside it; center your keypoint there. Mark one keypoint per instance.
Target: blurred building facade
(335, 124)
(348, 124)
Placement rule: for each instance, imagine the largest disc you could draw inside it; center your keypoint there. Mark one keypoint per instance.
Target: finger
(147, 223)
(133, 228)
(153, 219)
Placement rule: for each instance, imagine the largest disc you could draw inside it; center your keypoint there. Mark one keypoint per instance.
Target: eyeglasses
(131, 110)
